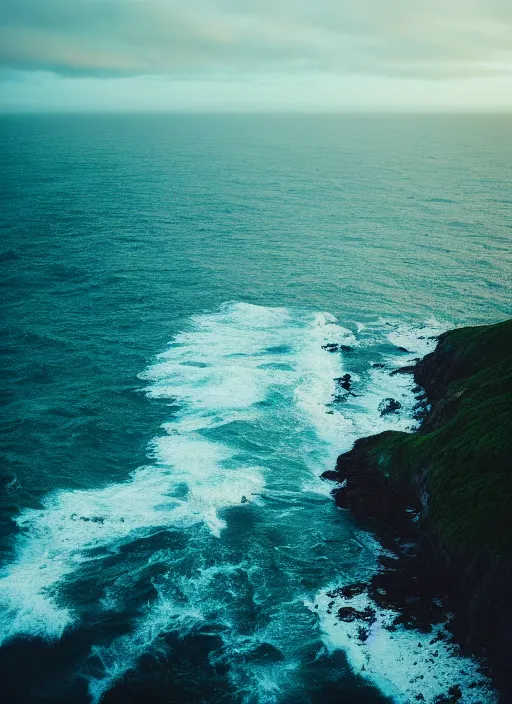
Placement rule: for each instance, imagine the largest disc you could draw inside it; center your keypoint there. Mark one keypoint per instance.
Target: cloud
(197, 38)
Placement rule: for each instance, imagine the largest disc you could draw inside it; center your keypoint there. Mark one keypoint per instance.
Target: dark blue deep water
(169, 284)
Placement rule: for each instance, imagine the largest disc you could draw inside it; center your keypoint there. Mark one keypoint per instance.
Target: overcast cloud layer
(235, 40)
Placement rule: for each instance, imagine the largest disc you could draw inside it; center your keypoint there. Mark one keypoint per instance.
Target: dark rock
(420, 411)
(349, 614)
(404, 349)
(94, 519)
(420, 614)
(341, 497)
(330, 475)
(389, 405)
(331, 347)
(344, 463)
(344, 382)
(352, 590)
(409, 369)
(363, 633)
(370, 495)
(348, 591)
(453, 696)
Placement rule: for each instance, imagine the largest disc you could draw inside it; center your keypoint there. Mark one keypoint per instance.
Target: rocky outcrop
(441, 498)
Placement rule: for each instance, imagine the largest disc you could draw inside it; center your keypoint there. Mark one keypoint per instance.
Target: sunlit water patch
(229, 529)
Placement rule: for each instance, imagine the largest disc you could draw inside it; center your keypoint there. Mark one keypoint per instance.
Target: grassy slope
(465, 462)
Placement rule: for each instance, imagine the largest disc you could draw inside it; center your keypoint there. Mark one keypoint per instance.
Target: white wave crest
(256, 415)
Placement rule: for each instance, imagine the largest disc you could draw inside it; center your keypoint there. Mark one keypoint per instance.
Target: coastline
(438, 501)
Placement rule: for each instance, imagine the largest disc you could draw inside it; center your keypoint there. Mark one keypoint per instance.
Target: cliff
(448, 489)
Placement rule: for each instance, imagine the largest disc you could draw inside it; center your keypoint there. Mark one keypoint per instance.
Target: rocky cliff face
(446, 490)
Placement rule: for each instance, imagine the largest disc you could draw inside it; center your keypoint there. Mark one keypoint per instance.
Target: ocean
(182, 295)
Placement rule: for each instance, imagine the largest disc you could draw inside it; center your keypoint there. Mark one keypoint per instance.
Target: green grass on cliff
(478, 348)
(466, 463)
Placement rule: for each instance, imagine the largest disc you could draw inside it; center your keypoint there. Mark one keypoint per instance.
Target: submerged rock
(7, 480)
(266, 652)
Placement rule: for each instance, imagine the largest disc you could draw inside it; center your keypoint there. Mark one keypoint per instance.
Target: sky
(256, 55)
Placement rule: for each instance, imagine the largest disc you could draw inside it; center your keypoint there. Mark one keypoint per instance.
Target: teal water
(133, 569)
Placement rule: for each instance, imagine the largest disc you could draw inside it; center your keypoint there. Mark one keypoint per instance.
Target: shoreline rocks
(440, 499)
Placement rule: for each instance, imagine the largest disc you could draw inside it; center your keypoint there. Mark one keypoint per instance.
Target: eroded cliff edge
(447, 490)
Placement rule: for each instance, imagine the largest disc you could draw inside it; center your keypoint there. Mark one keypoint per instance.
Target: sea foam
(255, 416)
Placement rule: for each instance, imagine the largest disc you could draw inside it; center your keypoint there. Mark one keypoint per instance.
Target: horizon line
(271, 112)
